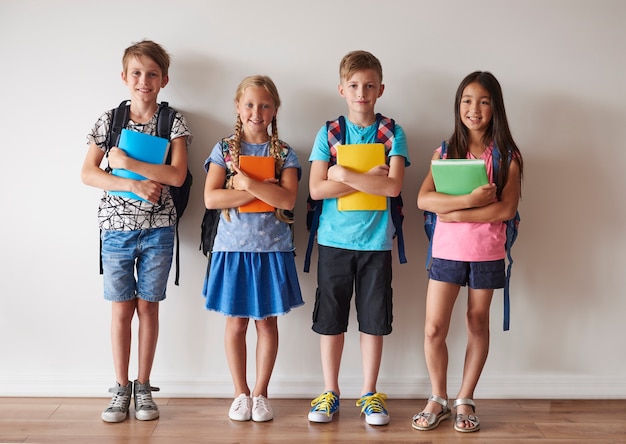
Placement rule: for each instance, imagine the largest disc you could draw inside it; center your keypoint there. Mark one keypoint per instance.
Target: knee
(236, 326)
(267, 326)
(478, 323)
(147, 309)
(434, 333)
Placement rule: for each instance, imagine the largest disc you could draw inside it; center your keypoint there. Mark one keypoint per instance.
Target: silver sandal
(432, 419)
(472, 419)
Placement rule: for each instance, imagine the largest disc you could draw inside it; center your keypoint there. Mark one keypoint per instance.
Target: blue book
(143, 147)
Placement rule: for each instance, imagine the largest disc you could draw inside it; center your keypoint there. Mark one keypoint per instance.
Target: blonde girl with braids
(252, 270)
(277, 148)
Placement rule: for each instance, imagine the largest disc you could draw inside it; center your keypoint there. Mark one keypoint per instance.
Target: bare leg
(236, 352)
(371, 355)
(148, 314)
(477, 318)
(331, 347)
(121, 321)
(440, 299)
(266, 352)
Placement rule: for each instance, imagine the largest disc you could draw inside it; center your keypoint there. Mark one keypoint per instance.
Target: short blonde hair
(358, 61)
(150, 49)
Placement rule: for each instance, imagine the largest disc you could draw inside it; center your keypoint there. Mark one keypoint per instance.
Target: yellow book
(259, 168)
(361, 158)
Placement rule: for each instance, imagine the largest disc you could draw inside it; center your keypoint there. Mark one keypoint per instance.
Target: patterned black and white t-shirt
(123, 214)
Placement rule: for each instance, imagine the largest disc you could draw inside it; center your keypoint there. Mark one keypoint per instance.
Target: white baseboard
(488, 388)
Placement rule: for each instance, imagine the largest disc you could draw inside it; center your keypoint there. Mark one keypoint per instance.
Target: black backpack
(165, 121)
(385, 134)
(211, 218)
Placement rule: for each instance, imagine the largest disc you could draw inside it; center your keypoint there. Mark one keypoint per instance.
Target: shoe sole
(321, 417)
(114, 420)
(441, 417)
(262, 418)
(377, 421)
(239, 418)
(147, 416)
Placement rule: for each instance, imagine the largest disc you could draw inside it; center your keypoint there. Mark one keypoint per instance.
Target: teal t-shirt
(356, 230)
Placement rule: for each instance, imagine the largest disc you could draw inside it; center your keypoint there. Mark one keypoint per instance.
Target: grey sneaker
(117, 411)
(145, 408)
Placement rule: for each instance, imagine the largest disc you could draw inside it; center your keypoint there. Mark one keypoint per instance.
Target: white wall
(562, 66)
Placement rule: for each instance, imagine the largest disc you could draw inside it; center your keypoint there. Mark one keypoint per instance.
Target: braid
(234, 149)
(275, 148)
(276, 151)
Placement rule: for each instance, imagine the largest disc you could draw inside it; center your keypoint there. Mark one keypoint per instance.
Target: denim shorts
(478, 275)
(340, 273)
(149, 251)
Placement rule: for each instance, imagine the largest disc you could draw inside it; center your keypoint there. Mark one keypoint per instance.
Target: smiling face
(361, 91)
(475, 108)
(144, 79)
(256, 109)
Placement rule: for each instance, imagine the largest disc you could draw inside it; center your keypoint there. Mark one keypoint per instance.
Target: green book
(458, 176)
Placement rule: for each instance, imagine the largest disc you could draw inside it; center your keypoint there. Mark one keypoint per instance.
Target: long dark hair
(497, 132)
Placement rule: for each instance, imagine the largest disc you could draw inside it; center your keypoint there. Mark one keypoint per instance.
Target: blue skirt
(252, 285)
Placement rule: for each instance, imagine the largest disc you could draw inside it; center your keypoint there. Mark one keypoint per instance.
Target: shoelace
(118, 401)
(143, 397)
(261, 403)
(374, 403)
(242, 403)
(145, 401)
(324, 402)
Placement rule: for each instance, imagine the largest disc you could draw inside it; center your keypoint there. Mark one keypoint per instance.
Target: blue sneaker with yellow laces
(324, 407)
(373, 405)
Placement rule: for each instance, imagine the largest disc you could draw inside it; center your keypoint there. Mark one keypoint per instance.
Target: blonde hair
(150, 49)
(358, 61)
(275, 147)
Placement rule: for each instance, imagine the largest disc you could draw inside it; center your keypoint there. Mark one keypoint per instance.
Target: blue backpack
(336, 135)
(512, 225)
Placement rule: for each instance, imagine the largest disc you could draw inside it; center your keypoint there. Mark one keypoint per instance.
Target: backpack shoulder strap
(165, 123)
(165, 120)
(511, 234)
(227, 145)
(119, 120)
(386, 131)
(430, 218)
(336, 136)
(385, 134)
(336, 130)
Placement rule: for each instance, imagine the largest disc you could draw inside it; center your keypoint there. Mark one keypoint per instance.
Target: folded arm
(168, 174)
(336, 181)
(498, 211)
(93, 175)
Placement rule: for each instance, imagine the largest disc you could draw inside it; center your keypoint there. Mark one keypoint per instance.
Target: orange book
(259, 168)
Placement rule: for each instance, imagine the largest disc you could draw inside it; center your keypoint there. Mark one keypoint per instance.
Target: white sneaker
(240, 408)
(261, 409)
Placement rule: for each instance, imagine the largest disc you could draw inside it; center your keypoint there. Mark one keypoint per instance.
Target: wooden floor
(192, 421)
